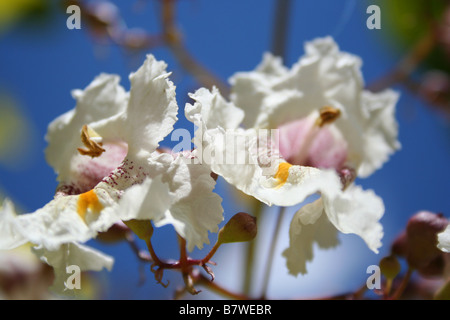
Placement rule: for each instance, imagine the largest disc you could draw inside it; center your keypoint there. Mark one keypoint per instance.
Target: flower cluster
(114, 172)
(327, 131)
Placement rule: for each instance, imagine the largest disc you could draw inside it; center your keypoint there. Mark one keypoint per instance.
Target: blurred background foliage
(25, 13)
(421, 31)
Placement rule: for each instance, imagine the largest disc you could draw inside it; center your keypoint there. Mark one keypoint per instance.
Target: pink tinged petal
(301, 142)
(99, 105)
(88, 172)
(292, 138)
(327, 151)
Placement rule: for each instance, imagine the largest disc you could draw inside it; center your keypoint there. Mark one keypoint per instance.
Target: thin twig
(398, 293)
(408, 64)
(142, 255)
(200, 279)
(270, 257)
(250, 250)
(281, 24)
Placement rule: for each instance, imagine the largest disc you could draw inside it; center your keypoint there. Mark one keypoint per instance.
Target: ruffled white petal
(444, 240)
(84, 257)
(308, 226)
(55, 224)
(351, 211)
(12, 234)
(250, 88)
(152, 109)
(213, 110)
(357, 211)
(195, 209)
(144, 201)
(380, 135)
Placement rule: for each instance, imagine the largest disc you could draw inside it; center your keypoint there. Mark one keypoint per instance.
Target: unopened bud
(400, 245)
(421, 231)
(390, 267)
(241, 227)
(435, 268)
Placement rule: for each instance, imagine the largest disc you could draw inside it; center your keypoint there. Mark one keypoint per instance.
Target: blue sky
(40, 67)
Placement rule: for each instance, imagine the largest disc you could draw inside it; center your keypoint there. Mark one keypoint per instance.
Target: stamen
(92, 141)
(327, 115)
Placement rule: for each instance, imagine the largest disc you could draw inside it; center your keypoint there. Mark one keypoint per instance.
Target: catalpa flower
(85, 257)
(324, 116)
(109, 170)
(326, 131)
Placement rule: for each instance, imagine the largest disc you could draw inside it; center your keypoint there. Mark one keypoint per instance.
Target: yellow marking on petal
(88, 201)
(282, 173)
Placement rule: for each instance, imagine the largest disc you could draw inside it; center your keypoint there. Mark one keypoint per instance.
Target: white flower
(14, 235)
(328, 131)
(105, 154)
(223, 145)
(444, 240)
(362, 137)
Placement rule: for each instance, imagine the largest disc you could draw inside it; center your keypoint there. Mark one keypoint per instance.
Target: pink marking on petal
(327, 151)
(292, 137)
(301, 142)
(88, 172)
(92, 171)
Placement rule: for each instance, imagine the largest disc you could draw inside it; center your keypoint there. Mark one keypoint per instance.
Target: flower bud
(241, 227)
(421, 232)
(400, 245)
(390, 267)
(435, 268)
